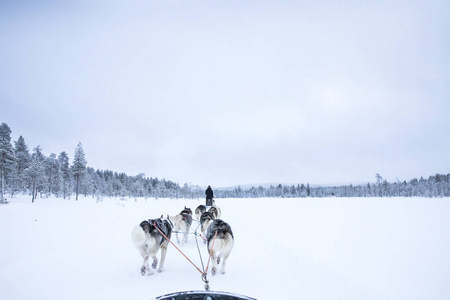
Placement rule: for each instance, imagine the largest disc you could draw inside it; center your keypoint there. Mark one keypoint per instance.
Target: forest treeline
(434, 186)
(32, 173)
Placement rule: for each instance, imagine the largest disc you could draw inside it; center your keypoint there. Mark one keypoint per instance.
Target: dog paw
(222, 271)
(213, 271)
(160, 270)
(143, 270)
(155, 263)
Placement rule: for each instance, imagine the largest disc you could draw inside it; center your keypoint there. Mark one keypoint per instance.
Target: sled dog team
(148, 237)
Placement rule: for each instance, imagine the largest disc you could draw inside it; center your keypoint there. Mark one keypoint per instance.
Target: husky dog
(149, 240)
(186, 211)
(182, 223)
(205, 221)
(215, 211)
(223, 243)
(199, 210)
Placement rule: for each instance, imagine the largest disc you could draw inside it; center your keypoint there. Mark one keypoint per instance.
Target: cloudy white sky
(232, 92)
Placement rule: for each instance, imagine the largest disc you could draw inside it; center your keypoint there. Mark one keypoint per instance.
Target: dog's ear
(162, 216)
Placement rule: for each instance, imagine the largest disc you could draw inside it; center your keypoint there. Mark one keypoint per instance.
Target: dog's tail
(138, 236)
(223, 243)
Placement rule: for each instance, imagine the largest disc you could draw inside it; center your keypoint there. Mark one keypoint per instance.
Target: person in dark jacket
(209, 196)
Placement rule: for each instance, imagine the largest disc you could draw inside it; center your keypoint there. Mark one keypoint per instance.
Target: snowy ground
(334, 248)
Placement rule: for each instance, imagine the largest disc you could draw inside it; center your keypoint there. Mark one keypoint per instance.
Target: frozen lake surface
(308, 248)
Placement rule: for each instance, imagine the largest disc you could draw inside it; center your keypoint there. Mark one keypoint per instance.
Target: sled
(203, 295)
(210, 203)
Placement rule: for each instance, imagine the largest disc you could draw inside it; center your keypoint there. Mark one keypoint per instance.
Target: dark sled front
(203, 295)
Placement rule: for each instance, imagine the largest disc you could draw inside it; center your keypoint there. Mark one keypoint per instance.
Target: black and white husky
(205, 220)
(182, 223)
(216, 211)
(220, 241)
(186, 210)
(199, 211)
(149, 240)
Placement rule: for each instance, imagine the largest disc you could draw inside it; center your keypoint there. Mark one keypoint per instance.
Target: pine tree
(23, 159)
(36, 172)
(7, 157)
(53, 172)
(63, 160)
(13, 180)
(79, 166)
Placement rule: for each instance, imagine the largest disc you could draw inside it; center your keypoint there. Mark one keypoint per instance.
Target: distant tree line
(38, 175)
(434, 186)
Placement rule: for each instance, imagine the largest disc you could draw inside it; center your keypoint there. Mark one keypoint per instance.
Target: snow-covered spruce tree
(79, 166)
(53, 172)
(23, 159)
(7, 157)
(36, 173)
(63, 160)
(13, 181)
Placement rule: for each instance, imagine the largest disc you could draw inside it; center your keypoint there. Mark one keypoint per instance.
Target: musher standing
(209, 196)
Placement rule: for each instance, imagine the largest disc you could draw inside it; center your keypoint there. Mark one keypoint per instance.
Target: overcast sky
(232, 92)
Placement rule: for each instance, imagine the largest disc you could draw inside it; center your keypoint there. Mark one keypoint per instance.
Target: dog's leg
(149, 270)
(214, 263)
(177, 230)
(203, 235)
(225, 257)
(144, 267)
(144, 254)
(184, 230)
(155, 261)
(163, 257)
(186, 234)
(226, 252)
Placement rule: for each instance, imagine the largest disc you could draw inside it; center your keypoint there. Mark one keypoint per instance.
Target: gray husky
(149, 240)
(205, 221)
(216, 211)
(182, 223)
(199, 211)
(220, 243)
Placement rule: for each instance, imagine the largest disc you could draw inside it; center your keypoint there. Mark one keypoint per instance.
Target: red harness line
(203, 273)
(200, 235)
